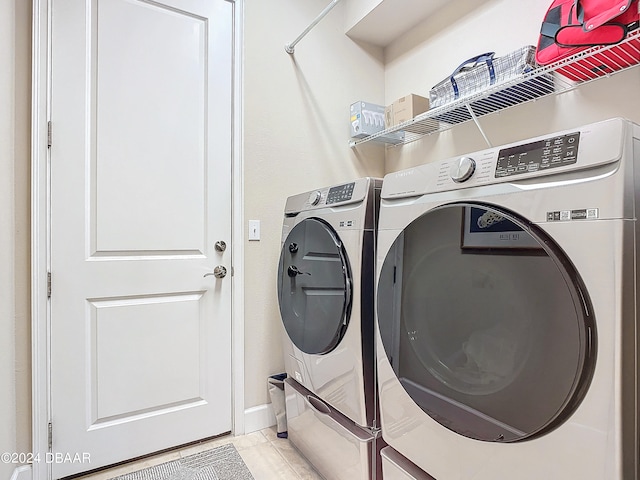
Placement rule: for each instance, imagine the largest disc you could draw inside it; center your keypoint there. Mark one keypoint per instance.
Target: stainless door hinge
(48, 284)
(49, 133)
(50, 436)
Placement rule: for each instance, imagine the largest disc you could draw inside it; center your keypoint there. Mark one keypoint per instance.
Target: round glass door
(486, 323)
(314, 287)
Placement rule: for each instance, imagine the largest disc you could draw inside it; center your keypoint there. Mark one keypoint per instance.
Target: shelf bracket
(289, 47)
(475, 120)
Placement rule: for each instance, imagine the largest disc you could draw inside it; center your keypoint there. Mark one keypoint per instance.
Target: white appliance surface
(548, 386)
(396, 467)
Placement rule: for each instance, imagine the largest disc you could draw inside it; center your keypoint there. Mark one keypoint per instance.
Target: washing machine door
(486, 323)
(314, 287)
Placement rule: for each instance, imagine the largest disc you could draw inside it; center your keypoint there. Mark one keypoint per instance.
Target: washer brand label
(348, 223)
(566, 215)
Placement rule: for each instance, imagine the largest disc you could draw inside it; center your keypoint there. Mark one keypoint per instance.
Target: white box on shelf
(367, 119)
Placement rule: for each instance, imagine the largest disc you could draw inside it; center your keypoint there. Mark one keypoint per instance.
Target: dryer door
(314, 287)
(486, 323)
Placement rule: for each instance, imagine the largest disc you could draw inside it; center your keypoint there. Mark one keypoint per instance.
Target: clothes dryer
(326, 285)
(506, 309)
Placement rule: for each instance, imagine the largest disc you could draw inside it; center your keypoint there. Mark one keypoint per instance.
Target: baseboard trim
(257, 418)
(22, 472)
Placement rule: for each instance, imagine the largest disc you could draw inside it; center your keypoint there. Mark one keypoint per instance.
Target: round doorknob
(218, 272)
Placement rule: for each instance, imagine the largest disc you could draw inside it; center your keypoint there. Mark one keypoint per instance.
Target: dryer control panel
(531, 157)
(541, 157)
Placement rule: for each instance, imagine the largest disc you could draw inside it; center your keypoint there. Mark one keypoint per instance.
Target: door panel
(166, 212)
(150, 325)
(140, 192)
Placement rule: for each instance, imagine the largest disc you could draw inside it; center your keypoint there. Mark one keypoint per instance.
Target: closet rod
(290, 46)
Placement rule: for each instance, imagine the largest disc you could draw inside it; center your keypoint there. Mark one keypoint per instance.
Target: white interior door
(140, 167)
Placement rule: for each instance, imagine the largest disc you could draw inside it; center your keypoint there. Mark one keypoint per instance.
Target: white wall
(15, 86)
(296, 128)
(430, 51)
(22, 225)
(7, 309)
(15, 276)
(356, 10)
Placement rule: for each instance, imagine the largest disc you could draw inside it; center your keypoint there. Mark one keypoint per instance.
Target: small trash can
(276, 392)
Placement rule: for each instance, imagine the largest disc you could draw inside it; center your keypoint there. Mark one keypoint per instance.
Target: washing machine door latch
(293, 271)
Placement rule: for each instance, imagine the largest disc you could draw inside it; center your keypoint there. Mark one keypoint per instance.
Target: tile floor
(267, 456)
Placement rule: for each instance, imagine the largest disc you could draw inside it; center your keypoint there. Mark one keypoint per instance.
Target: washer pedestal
(338, 448)
(396, 467)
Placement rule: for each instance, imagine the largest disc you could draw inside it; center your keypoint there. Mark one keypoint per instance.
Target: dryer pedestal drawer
(338, 448)
(396, 467)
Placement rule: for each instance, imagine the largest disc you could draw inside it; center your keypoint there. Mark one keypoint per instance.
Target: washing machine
(326, 286)
(506, 309)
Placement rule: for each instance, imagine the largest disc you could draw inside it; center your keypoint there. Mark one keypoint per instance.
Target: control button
(314, 197)
(462, 169)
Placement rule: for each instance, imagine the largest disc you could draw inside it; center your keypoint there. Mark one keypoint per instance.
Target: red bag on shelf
(571, 26)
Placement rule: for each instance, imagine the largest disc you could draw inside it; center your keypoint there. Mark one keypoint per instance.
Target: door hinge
(49, 133)
(50, 436)
(48, 284)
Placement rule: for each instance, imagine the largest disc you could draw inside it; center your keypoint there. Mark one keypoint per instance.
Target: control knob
(314, 197)
(462, 169)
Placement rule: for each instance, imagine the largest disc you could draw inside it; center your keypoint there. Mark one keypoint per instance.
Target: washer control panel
(530, 157)
(314, 197)
(333, 197)
(340, 193)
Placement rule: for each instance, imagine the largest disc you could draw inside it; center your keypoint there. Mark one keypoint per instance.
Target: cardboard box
(368, 119)
(405, 109)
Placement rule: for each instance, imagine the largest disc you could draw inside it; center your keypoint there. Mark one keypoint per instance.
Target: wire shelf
(589, 65)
